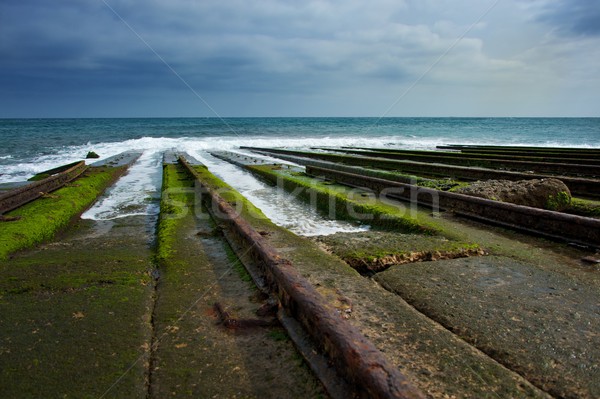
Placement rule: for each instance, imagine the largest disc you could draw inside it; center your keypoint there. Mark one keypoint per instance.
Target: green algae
(229, 194)
(584, 207)
(40, 220)
(175, 203)
(72, 317)
(39, 176)
(194, 352)
(373, 251)
(559, 201)
(341, 202)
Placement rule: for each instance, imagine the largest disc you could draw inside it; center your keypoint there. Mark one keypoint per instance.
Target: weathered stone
(91, 155)
(550, 193)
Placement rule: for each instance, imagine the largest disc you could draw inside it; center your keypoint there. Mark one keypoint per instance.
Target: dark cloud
(574, 17)
(275, 55)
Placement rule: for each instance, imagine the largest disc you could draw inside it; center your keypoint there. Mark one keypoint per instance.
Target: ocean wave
(22, 169)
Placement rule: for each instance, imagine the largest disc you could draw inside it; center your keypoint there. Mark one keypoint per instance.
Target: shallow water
(30, 146)
(281, 207)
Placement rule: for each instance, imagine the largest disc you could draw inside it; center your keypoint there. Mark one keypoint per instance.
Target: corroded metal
(569, 169)
(60, 176)
(540, 157)
(543, 222)
(576, 153)
(577, 185)
(356, 358)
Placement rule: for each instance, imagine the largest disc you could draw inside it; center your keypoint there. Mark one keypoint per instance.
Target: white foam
(282, 208)
(136, 193)
(25, 169)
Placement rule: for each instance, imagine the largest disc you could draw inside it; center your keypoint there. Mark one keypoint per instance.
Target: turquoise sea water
(32, 145)
(29, 146)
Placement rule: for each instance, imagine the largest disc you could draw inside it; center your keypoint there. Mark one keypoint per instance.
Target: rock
(550, 194)
(91, 155)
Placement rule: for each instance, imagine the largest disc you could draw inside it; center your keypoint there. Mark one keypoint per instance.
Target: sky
(226, 58)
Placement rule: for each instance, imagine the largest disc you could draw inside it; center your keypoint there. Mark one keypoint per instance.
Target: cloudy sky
(105, 58)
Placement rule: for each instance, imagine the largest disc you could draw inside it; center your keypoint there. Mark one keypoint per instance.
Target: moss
(342, 202)
(74, 316)
(373, 251)
(229, 194)
(39, 176)
(238, 266)
(584, 207)
(175, 203)
(40, 220)
(278, 335)
(559, 201)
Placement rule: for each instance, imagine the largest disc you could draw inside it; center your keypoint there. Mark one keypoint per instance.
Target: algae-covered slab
(40, 220)
(194, 353)
(374, 251)
(342, 202)
(436, 361)
(541, 324)
(75, 314)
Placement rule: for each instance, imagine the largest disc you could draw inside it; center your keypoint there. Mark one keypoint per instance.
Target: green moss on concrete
(342, 202)
(41, 219)
(584, 207)
(373, 251)
(229, 194)
(176, 200)
(194, 352)
(74, 317)
(39, 176)
(238, 266)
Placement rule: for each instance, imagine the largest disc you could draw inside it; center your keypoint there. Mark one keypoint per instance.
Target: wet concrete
(540, 324)
(74, 313)
(197, 354)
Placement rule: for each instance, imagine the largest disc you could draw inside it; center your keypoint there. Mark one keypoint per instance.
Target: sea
(30, 146)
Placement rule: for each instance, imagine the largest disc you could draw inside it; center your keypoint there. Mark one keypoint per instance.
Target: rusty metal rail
(355, 358)
(555, 225)
(569, 169)
(577, 185)
(17, 197)
(576, 153)
(455, 154)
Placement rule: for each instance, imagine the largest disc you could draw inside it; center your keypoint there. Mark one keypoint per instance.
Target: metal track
(17, 197)
(568, 169)
(455, 154)
(577, 185)
(576, 153)
(555, 225)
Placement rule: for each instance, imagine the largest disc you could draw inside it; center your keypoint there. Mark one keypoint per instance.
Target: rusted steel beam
(556, 225)
(356, 358)
(17, 197)
(456, 154)
(529, 148)
(577, 185)
(527, 151)
(569, 169)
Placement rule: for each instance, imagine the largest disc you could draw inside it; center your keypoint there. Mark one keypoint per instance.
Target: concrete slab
(123, 159)
(541, 324)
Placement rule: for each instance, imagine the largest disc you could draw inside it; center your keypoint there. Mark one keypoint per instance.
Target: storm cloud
(128, 58)
(574, 17)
